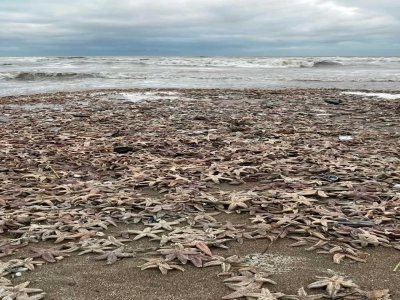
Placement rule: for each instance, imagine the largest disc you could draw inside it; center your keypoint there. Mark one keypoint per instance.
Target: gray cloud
(201, 27)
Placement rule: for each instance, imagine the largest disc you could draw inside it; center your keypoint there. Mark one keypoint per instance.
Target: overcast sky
(199, 27)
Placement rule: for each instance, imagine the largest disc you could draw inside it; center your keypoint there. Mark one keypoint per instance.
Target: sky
(200, 27)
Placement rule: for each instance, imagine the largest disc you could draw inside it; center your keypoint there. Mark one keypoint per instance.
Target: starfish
(338, 257)
(365, 238)
(203, 218)
(203, 247)
(257, 219)
(162, 224)
(114, 255)
(197, 259)
(50, 255)
(4, 281)
(302, 295)
(179, 252)
(84, 234)
(216, 178)
(17, 265)
(333, 284)
(163, 265)
(375, 294)
(9, 249)
(247, 278)
(303, 200)
(59, 236)
(225, 263)
(94, 247)
(237, 200)
(265, 294)
(244, 291)
(286, 220)
(21, 291)
(229, 226)
(147, 232)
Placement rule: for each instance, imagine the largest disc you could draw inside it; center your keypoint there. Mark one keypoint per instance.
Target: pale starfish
(59, 236)
(237, 200)
(257, 219)
(94, 246)
(163, 265)
(264, 294)
(179, 252)
(333, 284)
(244, 291)
(246, 277)
(302, 295)
(216, 178)
(21, 291)
(147, 232)
(84, 234)
(375, 294)
(27, 264)
(225, 263)
(4, 281)
(162, 224)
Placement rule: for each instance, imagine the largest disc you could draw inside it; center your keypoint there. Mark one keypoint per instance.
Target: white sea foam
(151, 96)
(378, 95)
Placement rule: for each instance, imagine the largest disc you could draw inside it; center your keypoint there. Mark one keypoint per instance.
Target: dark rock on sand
(333, 101)
(124, 149)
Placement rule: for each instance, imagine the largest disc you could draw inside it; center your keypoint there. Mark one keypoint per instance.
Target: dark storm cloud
(202, 27)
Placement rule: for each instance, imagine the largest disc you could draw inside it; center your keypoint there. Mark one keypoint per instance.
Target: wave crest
(326, 64)
(31, 76)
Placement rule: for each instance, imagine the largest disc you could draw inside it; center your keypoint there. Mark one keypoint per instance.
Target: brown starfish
(50, 255)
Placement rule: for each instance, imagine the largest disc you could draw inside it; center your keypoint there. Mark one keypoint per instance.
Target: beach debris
(331, 178)
(123, 149)
(333, 101)
(345, 138)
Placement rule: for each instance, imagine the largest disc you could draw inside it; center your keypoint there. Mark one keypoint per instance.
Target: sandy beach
(230, 185)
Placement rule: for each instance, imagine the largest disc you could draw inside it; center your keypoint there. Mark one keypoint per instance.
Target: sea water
(28, 75)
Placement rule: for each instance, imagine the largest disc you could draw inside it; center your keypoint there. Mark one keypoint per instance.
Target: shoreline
(166, 89)
(269, 166)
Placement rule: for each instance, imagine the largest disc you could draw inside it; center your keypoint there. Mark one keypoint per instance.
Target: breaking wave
(31, 76)
(326, 64)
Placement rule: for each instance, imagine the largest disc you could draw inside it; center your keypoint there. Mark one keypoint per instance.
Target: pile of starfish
(166, 171)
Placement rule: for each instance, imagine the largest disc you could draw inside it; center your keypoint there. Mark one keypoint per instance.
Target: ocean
(30, 75)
